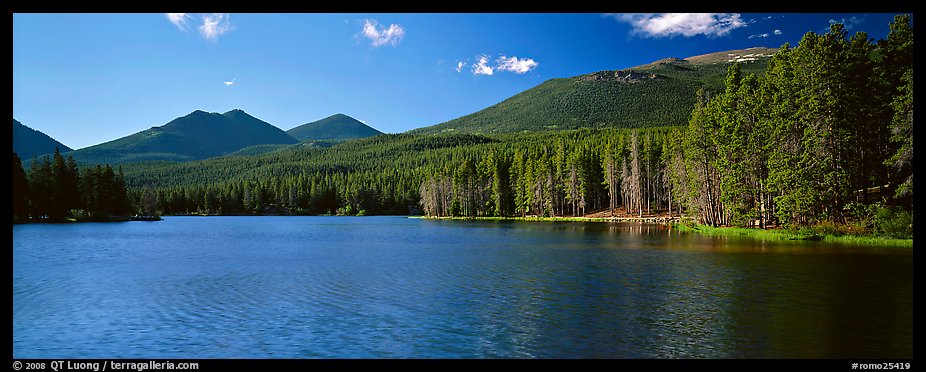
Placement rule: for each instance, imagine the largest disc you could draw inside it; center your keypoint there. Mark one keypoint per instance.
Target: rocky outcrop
(620, 76)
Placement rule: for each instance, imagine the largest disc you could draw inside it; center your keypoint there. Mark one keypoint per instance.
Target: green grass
(786, 235)
(771, 234)
(541, 219)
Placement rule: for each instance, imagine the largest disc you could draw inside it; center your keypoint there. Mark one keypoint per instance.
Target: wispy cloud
(681, 24)
(774, 32)
(482, 66)
(516, 65)
(178, 19)
(380, 36)
(213, 24)
(850, 22)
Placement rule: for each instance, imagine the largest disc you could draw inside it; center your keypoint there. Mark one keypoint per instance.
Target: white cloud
(775, 32)
(214, 25)
(482, 67)
(516, 65)
(380, 36)
(850, 22)
(178, 19)
(684, 24)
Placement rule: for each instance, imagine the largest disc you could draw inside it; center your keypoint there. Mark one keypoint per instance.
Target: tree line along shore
(821, 139)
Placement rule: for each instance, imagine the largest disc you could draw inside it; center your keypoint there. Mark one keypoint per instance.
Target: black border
(486, 6)
(636, 364)
(582, 6)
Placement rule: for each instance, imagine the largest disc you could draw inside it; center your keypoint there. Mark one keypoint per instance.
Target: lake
(396, 287)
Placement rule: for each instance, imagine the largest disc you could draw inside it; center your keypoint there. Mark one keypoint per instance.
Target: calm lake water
(394, 287)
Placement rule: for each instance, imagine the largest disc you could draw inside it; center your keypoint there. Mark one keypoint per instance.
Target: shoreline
(776, 234)
(783, 235)
(650, 220)
(67, 220)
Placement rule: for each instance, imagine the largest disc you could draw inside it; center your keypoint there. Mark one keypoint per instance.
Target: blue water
(394, 287)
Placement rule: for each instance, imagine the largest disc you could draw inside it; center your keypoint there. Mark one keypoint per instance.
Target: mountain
(334, 127)
(28, 142)
(656, 94)
(199, 135)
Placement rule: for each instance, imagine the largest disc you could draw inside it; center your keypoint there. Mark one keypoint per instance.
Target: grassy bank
(556, 219)
(769, 234)
(782, 234)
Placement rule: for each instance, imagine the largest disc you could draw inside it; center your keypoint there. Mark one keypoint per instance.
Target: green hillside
(259, 150)
(657, 94)
(671, 83)
(198, 135)
(28, 142)
(334, 127)
(387, 153)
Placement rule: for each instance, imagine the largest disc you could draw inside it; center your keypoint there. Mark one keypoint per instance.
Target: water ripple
(321, 287)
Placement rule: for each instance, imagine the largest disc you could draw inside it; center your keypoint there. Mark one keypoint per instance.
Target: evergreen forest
(821, 135)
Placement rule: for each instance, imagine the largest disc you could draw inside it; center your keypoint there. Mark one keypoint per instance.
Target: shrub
(894, 223)
(456, 209)
(827, 227)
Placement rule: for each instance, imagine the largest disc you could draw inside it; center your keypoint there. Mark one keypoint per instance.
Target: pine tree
(41, 186)
(20, 190)
(902, 133)
(895, 70)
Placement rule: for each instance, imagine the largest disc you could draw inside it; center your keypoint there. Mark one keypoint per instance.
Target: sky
(86, 79)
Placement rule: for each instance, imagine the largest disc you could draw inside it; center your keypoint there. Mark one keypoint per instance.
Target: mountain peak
(335, 127)
(747, 55)
(195, 115)
(29, 143)
(239, 114)
(737, 55)
(198, 135)
(660, 93)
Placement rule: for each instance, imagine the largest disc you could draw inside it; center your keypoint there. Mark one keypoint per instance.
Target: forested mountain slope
(334, 127)
(28, 142)
(198, 135)
(657, 94)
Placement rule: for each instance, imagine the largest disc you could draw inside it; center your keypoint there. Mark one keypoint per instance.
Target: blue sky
(85, 79)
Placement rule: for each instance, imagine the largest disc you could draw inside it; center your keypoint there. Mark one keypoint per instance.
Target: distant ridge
(739, 55)
(660, 93)
(334, 127)
(29, 143)
(199, 135)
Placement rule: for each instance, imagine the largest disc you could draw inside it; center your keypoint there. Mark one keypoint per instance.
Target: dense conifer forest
(820, 135)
